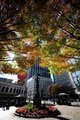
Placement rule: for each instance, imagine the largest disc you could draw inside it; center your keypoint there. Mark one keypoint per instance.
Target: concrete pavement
(67, 113)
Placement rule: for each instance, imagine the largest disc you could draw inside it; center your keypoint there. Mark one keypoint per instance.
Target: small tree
(54, 89)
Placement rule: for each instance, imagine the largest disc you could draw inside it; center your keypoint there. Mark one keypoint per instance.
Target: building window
(7, 89)
(19, 91)
(22, 92)
(14, 90)
(3, 88)
(10, 90)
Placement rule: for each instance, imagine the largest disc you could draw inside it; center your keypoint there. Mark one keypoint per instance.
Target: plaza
(67, 113)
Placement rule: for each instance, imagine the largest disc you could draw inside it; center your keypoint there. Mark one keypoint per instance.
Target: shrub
(30, 107)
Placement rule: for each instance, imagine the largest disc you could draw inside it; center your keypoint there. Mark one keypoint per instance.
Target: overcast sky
(9, 76)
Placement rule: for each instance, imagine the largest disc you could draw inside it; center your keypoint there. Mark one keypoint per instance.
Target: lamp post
(37, 86)
(37, 99)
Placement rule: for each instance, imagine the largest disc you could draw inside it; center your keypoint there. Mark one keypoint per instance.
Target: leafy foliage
(54, 89)
(30, 107)
(48, 29)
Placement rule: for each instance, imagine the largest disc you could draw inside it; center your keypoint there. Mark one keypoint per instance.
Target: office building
(44, 80)
(66, 80)
(36, 68)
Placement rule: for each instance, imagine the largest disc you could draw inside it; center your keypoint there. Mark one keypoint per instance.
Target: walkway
(67, 113)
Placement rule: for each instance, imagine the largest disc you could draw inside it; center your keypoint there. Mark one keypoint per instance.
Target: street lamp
(37, 100)
(37, 86)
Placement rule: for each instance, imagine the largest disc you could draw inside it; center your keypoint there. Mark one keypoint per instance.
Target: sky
(9, 76)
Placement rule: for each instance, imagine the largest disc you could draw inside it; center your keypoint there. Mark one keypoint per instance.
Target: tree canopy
(48, 29)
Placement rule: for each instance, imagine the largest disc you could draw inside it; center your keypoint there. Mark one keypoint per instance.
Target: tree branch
(6, 27)
(12, 39)
(67, 19)
(74, 5)
(71, 34)
(70, 46)
(7, 32)
(70, 57)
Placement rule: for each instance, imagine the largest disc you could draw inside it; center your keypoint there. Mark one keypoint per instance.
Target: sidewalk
(67, 113)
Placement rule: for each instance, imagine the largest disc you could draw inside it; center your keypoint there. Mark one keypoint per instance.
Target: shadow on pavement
(61, 118)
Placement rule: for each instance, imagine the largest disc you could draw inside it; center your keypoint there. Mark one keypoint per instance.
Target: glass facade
(36, 68)
(44, 72)
(44, 80)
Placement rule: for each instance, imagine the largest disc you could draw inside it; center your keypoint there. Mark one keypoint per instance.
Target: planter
(50, 111)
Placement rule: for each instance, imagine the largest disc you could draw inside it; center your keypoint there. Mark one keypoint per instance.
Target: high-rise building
(36, 68)
(44, 80)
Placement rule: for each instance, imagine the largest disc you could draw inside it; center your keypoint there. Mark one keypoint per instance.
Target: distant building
(7, 88)
(44, 80)
(76, 78)
(6, 80)
(66, 80)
